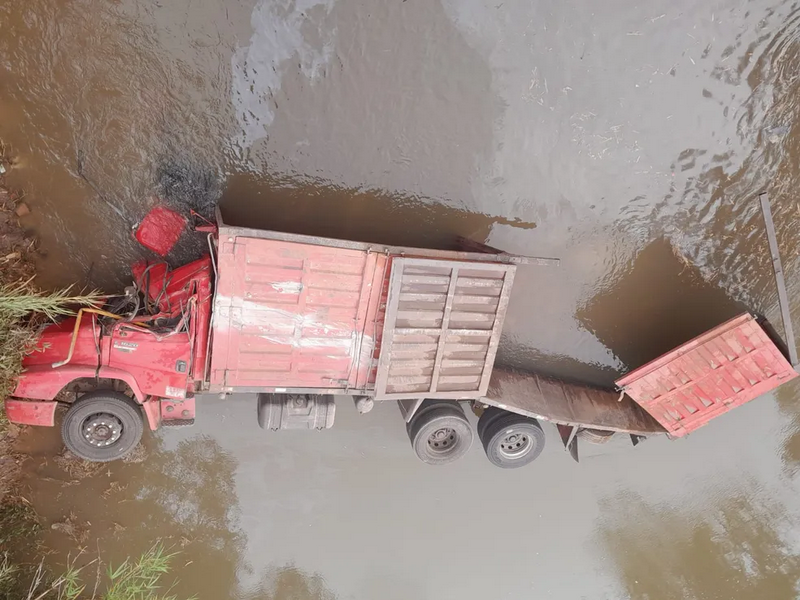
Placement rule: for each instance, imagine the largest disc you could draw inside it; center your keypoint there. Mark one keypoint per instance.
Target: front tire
(102, 426)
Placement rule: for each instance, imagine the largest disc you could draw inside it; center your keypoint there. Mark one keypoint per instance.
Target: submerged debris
(73, 528)
(137, 455)
(775, 133)
(76, 467)
(185, 185)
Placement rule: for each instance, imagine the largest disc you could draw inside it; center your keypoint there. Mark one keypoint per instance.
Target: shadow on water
(310, 207)
(659, 303)
(185, 497)
(738, 550)
(787, 398)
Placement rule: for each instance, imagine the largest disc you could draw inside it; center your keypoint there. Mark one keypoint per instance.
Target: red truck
(298, 320)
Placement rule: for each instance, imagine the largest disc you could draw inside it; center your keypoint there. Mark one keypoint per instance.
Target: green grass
(18, 522)
(20, 302)
(139, 579)
(20, 299)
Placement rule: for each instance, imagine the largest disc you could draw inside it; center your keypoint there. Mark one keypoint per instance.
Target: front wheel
(102, 426)
(511, 440)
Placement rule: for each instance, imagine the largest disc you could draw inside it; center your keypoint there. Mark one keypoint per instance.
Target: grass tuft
(132, 580)
(20, 302)
(20, 299)
(140, 579)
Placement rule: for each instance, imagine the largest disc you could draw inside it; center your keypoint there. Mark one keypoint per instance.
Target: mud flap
(168, 412)
(177, 413)
(25, 412)
(569, 436)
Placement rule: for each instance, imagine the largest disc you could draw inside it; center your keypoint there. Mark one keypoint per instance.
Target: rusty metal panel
(293, 315)
(567, 403)
(442, 328)
(708, 376)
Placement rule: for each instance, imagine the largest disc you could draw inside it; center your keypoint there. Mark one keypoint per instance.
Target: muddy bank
(16, 245)
(18, 520)
(16, 249)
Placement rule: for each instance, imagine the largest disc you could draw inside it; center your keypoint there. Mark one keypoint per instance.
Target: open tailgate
(709, 375)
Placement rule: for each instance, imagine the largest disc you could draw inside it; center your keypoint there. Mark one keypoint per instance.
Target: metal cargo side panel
(292, 315)
(708, 376)
(442, 328)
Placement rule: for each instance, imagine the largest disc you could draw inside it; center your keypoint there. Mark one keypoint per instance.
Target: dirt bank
(16, 247)
(18, 520)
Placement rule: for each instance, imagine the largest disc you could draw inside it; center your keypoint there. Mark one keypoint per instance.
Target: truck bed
(301, 314)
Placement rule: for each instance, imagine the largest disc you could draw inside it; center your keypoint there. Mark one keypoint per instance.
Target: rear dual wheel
(439, 432)
(510, 440)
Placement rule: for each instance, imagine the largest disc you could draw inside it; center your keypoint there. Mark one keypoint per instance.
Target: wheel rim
(442, 440)
(101, 430)
(515, 444)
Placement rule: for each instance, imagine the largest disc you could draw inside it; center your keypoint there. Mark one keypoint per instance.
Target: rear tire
(512, 441)
(102, 426)
(440, 433)
(430, 405)
(489, 416)
(595, 436)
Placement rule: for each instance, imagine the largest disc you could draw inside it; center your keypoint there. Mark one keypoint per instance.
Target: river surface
(628, 139)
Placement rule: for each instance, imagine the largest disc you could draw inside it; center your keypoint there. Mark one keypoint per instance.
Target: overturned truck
(299, 320)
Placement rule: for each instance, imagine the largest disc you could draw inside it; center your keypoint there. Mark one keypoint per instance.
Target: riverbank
(18, 520)
(16, 267)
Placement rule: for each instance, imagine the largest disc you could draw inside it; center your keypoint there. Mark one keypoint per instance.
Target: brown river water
(628, 139)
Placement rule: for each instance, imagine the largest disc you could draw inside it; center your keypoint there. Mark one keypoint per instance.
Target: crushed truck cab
(157, 356)
(298, 320)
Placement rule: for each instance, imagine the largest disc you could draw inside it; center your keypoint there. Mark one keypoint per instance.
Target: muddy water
(630, 140)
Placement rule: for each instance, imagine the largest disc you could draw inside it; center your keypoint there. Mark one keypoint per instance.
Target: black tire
(595, 436)
(102, 426)
(489, 415)
(430, 405)
(511, 441)
(440, 434)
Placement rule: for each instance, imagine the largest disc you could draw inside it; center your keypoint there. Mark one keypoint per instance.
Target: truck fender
(42, 382)
(112, 373)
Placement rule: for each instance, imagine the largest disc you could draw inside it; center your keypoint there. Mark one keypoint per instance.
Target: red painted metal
(27, 412)
(152, 411)
(709, 375)
(42, 382)
(172, 290)
(54, 345)
(160, 230)
(173, 410)
(158, 364)
(294, 315)
(155, 364)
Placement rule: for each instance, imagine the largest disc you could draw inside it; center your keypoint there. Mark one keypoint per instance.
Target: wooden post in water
(783, 297)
